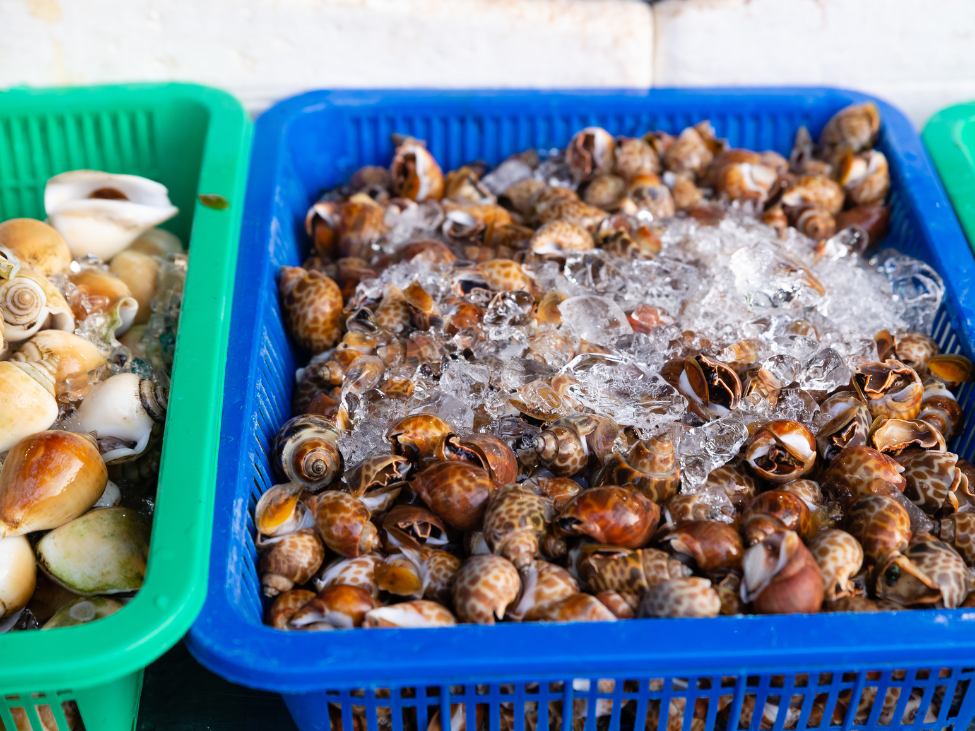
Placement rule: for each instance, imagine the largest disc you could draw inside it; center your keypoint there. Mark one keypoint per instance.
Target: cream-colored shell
(157, 242)
(75, 355)
(140, 273)
(102, 552)
(18, 573)
(27, 403)
(82, 611)
(36, 244)
(99, 226)
(108, 294)
(29, 303)
(114, 408)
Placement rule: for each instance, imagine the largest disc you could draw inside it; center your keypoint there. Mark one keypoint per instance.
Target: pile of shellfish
(89, 302)
(624, 379)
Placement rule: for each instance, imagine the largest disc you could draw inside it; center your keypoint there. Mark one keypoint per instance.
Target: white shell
(114, 408)
(157, 242)
(29, 303)
(27, 404)
(111, 496)
(18, 573)
(99, 226)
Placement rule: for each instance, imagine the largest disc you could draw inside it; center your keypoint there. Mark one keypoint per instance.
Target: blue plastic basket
(316, 141)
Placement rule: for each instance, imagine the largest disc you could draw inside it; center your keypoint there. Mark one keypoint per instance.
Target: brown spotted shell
(933, 478)
(515, 519)
(375, 474)
(312, 304)
(505, 275)
(774, 511)
(650, 465)
(634, 156)
(940, 409)
(542, 584)
(576, 608)
(619, 516)
(852, 129)
(685, 597)
(293, 559)
(629, 572)
(483, 450)
(735, 482)
(416, 436)
(958, 531)
(848, 425)
(456, 492)
(590, 152)
(690, 152)
(881, 525)
(857, 471)
(285, 606)
(416, 613)
(359, 571)
(928, 572)
(839, 557)
(484, 588)
(566, 445)
(715, 547)
(343, 522)
(414, 173)
(891, 390)
(337, 607)
(560, 236)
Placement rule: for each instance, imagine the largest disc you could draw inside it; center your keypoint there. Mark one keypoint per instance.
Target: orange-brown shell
(795, 586)
(715, 547)
(506, 275)
(890, 389)
(781, 451)
(311, 304)
(576, 608)
(456, 492)
(861, 470)
(776, 510)
(416, 436)
(414, 172)
(958, 530)
(629, 572)
(279, 614)
(881, 524)
(418, 523)
(566, 445)
(685, 597)
(515, 519)
(932, 479)
(650, 465)
(293, 559)
(542, 583)
(484, 588)
(343, 522)
(556, 237)
(619, 516)
(483, 450)
(340, 606)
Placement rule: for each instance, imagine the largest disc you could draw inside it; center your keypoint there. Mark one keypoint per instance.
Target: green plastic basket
(196, 141)
(950, 138)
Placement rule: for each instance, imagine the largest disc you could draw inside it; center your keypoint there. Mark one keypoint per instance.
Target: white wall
(263, 50)
(920, 54)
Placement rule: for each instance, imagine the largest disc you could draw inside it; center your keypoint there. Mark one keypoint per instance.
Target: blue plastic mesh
(825, 671)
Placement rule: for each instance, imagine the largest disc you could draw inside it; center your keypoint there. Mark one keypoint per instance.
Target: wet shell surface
(121, 413)
(73, 354)
(18, 574)
(36, 245)
(484, 588)
(27, 404)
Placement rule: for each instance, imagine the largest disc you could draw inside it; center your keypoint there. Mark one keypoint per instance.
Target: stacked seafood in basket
(637, 377)
(90, 301)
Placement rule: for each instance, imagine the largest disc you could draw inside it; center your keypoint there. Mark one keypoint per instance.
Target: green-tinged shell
(82, 611)
(102, 552)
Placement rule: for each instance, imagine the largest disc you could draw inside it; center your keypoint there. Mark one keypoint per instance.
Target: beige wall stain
(48, 11)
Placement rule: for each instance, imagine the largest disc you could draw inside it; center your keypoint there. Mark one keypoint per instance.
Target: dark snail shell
(456, 492)
(619, 516)
(781, 576)
(650, 466)
(940, 409)
(715, 547)
(773, 511)
(305, 451)
(848, 425)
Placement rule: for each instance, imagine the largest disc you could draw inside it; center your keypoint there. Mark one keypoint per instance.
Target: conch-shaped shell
(30, 303)
(18, 574)
(484, 588)
(414, 172)
(100, 213)
(27, 403)
(650, 465)
(305, 451)
(139, 272)
(515, 519)
(101, 291)
(36, 245)
(781, 576)
(692, 596)
(292, 560)
(619, 516)
(102, 552)
(852, 129)
(73, 354)
(418, 436)
(121, 412)
(881, 524)
(567, 443)
(279, 511)
(311, 303)
(862, 470)
(338, 607)
(47, 480)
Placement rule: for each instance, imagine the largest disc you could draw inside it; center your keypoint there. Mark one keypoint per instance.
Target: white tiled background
(920, 54)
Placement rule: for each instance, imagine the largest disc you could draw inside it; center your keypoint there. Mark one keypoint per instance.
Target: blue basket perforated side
(317, 140)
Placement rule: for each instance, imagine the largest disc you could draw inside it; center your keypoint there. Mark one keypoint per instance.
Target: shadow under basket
(896, 670)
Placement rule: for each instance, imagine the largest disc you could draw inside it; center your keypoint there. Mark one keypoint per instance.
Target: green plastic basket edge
(945, 137)
(175, 586)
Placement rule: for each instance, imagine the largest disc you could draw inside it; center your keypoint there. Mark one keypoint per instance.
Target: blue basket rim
(261, 657)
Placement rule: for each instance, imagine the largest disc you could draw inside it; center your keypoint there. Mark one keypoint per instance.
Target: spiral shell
(121, 413)
(285, 606)
(649, 193)
(857, 471)
(619, 516)
(311, 303)
(417, 436)
(560, 236)
(590, 152)
(337, 607)
(305, 451)
(881, 524)
(852, 129)
(848, 425)
(928, 572)
(781, 576)
(343, 523)
(515, 519)
(292, 560)
(650, 465)
(776, 510)
(781, 451)
(634, 156)
(576, 608)
(97, 291)
(73, 354)
(566, 445)
(30, 303)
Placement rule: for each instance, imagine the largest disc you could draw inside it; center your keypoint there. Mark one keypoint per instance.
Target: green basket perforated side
(950, 138)
(195, 140)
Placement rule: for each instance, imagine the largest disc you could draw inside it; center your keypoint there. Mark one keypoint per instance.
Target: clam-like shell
(27, 403)
(121, 412)
(36, 245)
(82, 611)
(47, 480)
(101, 213)
(102, 552)
(101, 291)
(18, 574)
(74, 354)
(139, 272)
(30, 303)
